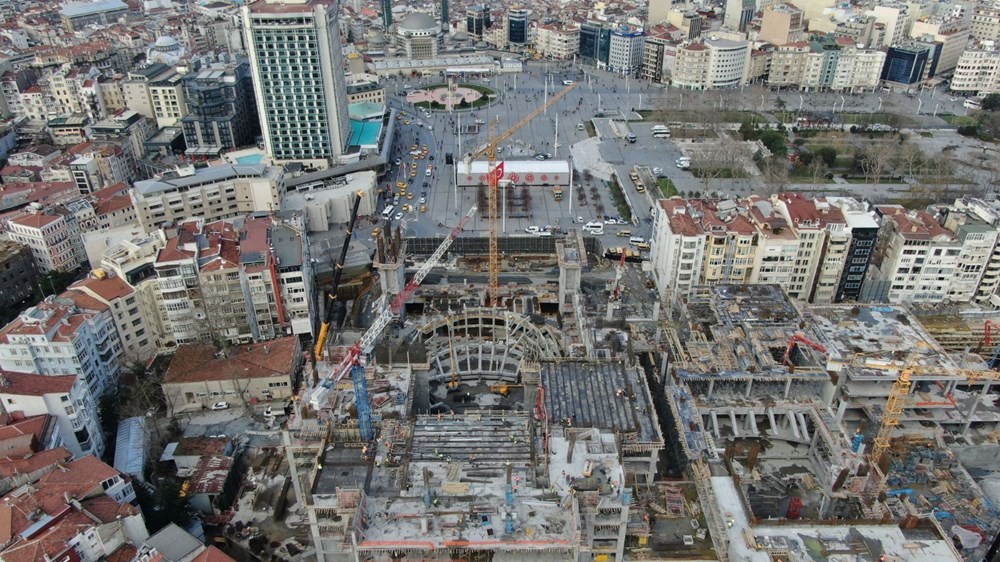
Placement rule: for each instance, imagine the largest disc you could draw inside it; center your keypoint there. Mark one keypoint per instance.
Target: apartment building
(863, 233)
(985, 23)
(783, 23)
(915, 258)
(166, 94)
(829, 63)
(777, 245)
(47, 234)
(129, 129)
(275, 255)
(12, 84)
(654, 60)
(711, 63)
(58, 337)
(18, 277)
(977, 72)
(731, 241)
(213, 193)
(135, 89)
(896, 20)
(954, 35)
(823, 243)
(677, 249)
(64, 397)
(123, 302)
(133, 261)
(557, 41)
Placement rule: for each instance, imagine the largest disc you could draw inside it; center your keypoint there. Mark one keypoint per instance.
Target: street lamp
(802, 102)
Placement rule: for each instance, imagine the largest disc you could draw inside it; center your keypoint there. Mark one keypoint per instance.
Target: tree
(775, 172)
(827, 154)
(873, 162)
(774, 141)
(991, 102)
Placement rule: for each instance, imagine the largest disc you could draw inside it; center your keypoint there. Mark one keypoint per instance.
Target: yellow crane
(899, 398)
(493, 179)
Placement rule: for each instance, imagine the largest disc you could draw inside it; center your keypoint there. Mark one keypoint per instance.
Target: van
(594, 227)
(532, 230)
(636, 240)
(971, 104)
(623, 233)
(684, 163)
(631, 137)
(387, 212)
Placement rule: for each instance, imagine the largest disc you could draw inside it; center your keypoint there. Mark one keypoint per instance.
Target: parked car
(220, 406)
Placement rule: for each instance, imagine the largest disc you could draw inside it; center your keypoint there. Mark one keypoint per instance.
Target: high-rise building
(625, 50)
(387, 13)
(910, 62)
(517, 26)
(222, 114)
(477, 20)
(298, 70)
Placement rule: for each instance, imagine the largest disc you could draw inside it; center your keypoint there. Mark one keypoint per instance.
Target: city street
(600, 94)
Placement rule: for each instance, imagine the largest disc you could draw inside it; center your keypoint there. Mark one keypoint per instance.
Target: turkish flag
(498, 171)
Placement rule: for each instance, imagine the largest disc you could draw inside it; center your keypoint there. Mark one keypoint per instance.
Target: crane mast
(493, 180)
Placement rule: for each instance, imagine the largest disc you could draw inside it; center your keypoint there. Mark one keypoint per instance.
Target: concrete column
(656, 311)
(732, 420)
(802, 423)
(715, 425)
(752, 424)
(840, 411)
(749, 387)
(774, 424)
(711, 388)
(788, 387)
(792, 425)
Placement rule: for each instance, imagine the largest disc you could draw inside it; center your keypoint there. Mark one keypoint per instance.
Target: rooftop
(202, 363)
(27, 384)
(77, 9)
(202, 176)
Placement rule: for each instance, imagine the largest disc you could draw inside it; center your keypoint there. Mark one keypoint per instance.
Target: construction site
(510, 398)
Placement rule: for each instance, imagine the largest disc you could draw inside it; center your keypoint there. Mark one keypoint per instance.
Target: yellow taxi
(409, 196)
(376, 231)
(401, 184)
(404, 113)
(423, 208)
(414, 148)
(406, 208)
(413, 174)
(424, 148)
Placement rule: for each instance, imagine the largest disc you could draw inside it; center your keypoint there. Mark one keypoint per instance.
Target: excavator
(335, 307)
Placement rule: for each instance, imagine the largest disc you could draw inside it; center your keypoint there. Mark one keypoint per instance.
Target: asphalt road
(598, 91)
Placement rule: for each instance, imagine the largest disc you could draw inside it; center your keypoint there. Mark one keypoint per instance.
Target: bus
(594, 228)
(661, 132)
(387, 212)
(972, 104)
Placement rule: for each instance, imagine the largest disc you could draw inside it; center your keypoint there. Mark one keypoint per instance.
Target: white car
(399, 216)
(953, 99)
(220, 406)
(532, 230)
(423, 200)
(657, 171)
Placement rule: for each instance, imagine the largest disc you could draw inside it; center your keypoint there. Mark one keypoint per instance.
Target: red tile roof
(198, 363)
(36, 220)
(15, 430)
(109, 288)
(27, 384)
(915, 225)
(212, 554)
(681, 221)
(9, 466)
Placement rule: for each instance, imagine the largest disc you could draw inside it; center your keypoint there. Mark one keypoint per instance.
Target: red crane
(799, 339)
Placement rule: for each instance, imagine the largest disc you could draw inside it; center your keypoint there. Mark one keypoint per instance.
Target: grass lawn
(667, 187)
(692, 116)
(623, 209)
(957, 120)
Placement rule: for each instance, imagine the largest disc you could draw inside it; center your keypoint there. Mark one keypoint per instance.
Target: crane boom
(371, 335)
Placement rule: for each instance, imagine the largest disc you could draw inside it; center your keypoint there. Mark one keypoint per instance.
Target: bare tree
(818, 169)
(775, 172)
(911, 158)
(874, 162)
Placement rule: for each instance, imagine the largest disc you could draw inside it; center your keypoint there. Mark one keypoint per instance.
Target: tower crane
(899, 399)
(353, 359)
(494, 173)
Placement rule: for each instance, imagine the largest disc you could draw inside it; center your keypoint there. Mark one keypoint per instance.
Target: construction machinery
(352, 361)
(797, 339)
(899, 399)
(994, 348)
(494, 173)
(504, 389)
(333, 306)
